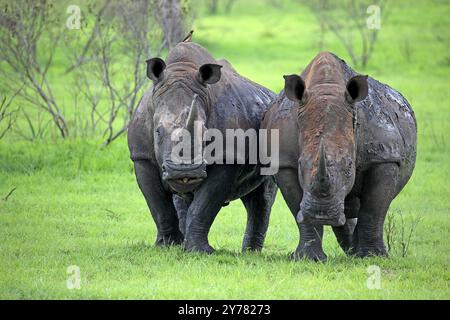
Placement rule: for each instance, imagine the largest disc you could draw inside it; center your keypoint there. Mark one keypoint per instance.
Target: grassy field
(76, 204)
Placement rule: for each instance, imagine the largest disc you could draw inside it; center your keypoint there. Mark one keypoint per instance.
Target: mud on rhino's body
(184, 199)
(342, 156)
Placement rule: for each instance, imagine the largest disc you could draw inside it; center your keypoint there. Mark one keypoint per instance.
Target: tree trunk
(171, 21)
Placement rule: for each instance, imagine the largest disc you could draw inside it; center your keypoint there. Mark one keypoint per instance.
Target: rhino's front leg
(159, 202)
(182, 207)
(379, 189)
(310, 244)
(208, 200)
(344, 234)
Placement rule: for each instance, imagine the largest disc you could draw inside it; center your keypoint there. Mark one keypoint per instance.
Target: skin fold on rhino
(347, 148)
(184, 199)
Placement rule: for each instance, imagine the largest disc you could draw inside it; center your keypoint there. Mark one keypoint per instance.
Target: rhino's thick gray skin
(185, 199)
(347, 148)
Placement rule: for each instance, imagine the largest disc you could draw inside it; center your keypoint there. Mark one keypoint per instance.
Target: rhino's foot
(309, 253)
(170, 239)
(370, 251)
(252, 244)
(345, 242)
(198, 247)
(252, 248)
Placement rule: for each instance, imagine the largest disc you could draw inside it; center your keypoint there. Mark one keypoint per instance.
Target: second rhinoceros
(347, 148)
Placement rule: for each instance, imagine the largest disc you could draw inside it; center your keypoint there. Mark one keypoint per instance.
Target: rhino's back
(386, 125)
(386, 128)
(240, 103)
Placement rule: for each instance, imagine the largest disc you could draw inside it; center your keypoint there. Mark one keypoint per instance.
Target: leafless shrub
(25, 61)
(7, 114)
(35, 125)
(390, 231)
(110, 68)
(85, 37)
(398, 232)
(104, 61)
(173, 17)
(344, 19)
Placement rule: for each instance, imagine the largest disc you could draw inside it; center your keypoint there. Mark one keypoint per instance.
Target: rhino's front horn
(193, 115)
(322, 175)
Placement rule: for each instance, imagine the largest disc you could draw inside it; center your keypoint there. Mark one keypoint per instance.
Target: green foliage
(78, 204)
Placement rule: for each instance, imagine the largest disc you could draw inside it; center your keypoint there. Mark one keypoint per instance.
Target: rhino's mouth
(186, 181)
(183, 178)
(321, 212)
(184, 185)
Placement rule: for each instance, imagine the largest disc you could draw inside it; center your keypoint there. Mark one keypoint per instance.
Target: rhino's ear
(295, 88)
(209, 73)
(155, 69)
(357, 89)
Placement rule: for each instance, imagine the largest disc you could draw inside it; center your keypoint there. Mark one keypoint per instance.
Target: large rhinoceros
(347, 148)
(184, 198)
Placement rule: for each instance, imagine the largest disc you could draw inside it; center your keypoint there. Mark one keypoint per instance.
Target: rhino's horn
(193, 115)
(322, 175)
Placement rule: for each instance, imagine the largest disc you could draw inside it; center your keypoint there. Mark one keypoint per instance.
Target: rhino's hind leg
(160, 203)
(379, 189)
(310, 244)
(258, 204)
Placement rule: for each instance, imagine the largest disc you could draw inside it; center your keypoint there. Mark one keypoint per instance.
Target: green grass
(78, 204)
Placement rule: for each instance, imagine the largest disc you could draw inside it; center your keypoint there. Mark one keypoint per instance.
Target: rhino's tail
(188, 38)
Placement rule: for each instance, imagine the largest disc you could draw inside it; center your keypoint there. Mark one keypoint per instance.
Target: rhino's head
(326, 115)
(180, 104)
